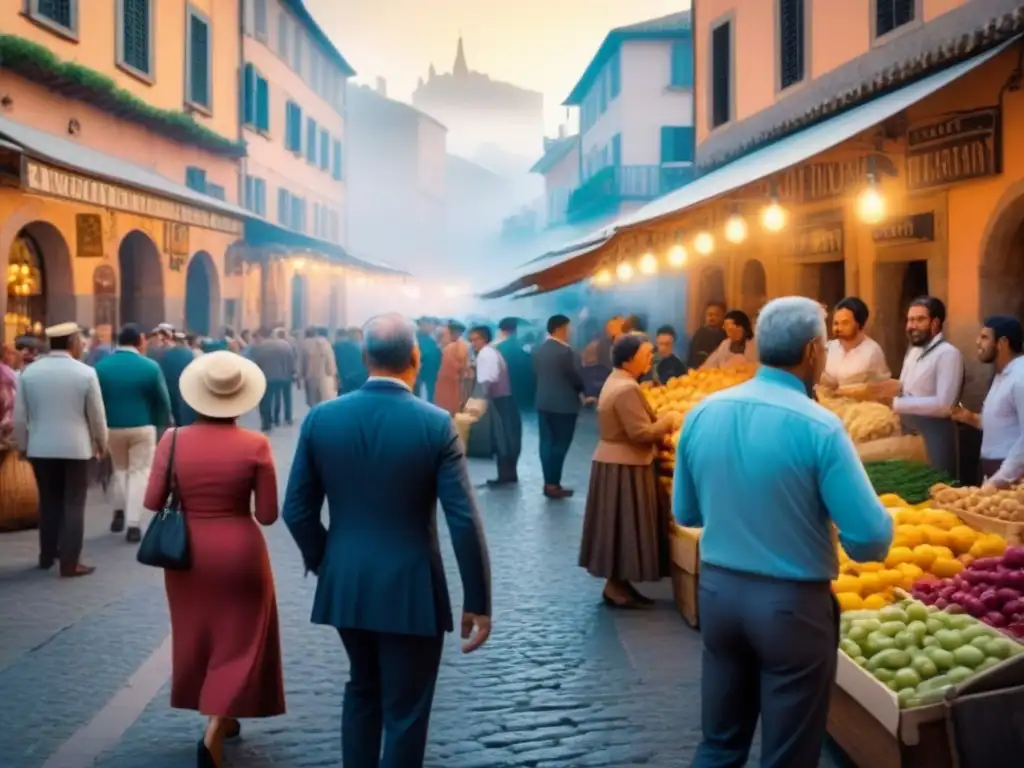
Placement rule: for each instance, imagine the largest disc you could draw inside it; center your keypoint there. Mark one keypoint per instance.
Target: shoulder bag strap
(171, 476)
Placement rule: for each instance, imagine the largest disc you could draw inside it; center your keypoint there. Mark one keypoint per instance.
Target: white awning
(565, 260)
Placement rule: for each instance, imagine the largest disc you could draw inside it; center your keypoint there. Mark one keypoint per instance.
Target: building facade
(103, 125)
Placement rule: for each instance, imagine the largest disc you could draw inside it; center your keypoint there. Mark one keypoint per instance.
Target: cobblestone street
(562, 682)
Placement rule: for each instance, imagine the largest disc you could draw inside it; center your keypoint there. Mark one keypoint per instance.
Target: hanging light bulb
(299, 263)
(603, 277)
(648, 264)
(624, 271)
(735, 229)
(677, 256)
(704, 243)
(773, 216)
(870, 204)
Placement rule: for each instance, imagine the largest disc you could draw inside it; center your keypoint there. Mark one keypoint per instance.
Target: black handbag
(165, 544)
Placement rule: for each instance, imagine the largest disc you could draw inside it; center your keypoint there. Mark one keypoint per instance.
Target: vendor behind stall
(930, 384)
(853, 357)
(739, 346)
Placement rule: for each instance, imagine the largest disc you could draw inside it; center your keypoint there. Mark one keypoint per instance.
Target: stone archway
(300, 301)
(202, 294)
(142, 281)
(39, 279)
(753, 287)
(1001, 270)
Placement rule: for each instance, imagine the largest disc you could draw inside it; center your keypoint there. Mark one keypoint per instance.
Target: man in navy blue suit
(383, 458)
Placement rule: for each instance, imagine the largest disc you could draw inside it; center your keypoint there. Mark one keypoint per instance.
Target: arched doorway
(300, 292)
(1001, 272)
(40, 288)
(753, 287)
(712, 286)
(142, 281)
(202, 296)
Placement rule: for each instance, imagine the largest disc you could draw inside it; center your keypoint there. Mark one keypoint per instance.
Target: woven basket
(19, 496)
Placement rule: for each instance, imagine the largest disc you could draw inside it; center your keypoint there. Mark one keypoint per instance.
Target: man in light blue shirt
(767, 471)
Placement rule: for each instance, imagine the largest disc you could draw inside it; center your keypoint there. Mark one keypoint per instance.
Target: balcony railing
(603, 193)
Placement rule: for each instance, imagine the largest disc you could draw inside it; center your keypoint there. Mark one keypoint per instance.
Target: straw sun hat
(222, 385)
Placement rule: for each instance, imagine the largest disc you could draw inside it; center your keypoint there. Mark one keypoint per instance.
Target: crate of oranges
(926, 541)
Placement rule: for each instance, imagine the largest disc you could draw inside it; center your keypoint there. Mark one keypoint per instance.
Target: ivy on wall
(37, 63)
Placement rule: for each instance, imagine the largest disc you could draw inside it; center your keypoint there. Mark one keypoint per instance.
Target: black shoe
(46, 563)
(117, 524)
(203, 757)
(234, 729)
(557, 492)
(134, 535)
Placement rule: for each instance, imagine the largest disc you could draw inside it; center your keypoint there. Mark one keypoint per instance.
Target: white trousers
(131, 453)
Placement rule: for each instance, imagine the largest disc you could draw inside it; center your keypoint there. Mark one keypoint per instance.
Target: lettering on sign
(919, 228)
(46, 180)
(818, 240)
(89, 235)
(955, 147)
(815, 182)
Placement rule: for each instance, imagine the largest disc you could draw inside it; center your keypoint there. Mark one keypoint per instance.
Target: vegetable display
(925, 542)
(991, 589)
(908, 480)
(920, 651)
(1007, 505)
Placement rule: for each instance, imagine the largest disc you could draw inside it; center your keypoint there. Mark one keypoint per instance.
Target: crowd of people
(163, 411)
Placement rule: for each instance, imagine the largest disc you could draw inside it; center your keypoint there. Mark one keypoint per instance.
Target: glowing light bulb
(603, 277)
(735, 229)
(871, 206)
(624, 271)
(704, 243)
(677, 256)
(299, 263)
(773, 217)
(648, 264)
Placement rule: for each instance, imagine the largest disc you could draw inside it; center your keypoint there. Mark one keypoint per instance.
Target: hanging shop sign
(47, 180)
(88, 235)
(954, 147)
(830, 180)
(918, 228)
(818, 237)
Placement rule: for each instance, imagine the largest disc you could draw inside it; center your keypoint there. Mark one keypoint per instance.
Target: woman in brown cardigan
(625, 530)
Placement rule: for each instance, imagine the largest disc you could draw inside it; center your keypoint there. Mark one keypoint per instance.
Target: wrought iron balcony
(603, 193)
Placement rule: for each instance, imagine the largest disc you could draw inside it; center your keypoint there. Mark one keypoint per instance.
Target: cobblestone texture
(562, 682)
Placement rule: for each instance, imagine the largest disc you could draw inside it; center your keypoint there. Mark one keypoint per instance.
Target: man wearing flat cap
(60, 424)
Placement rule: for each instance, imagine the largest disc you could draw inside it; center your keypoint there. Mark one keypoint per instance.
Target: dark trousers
(426, 385)
(556, 433)
(769, 652)
(281, 398)
(389, 693)
(506, 437)
(63, 484)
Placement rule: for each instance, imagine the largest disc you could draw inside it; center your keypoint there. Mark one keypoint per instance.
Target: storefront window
(26, 302)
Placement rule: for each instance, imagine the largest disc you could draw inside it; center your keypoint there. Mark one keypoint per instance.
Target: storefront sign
(953, 148)
(817, 241)
(830, 180)
(919, 228)
(50, 181)
(89, 235)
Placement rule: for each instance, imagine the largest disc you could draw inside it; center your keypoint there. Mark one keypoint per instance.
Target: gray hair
(785, 327)
(388, 342)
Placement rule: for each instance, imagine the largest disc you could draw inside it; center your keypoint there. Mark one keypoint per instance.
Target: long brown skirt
(626, 527)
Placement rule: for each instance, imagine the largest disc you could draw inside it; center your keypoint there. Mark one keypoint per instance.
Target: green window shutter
(336, 166)
(682, 64)
(135, 34)
(325, 150)
(284, 207)
(250, 193)
(248, 95)
(199, 61)
(311, 136)
(262, 104)
(195, 178)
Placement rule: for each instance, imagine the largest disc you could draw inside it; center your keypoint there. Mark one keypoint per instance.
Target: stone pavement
(562, 682)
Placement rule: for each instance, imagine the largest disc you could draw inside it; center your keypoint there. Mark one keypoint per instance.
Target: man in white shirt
(493, 383)
(853, 357)
(1001, 342)
(930, 384)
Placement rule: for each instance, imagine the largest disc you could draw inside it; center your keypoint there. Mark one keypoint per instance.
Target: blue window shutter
(216, 190)
(336, 169)
(135, 23)
(617, 150)
(311, 136)
(195, 178)
(249, 95)
(260, 193)
(682, 64)
(615, 74)
(250, 193)
(262, 104)
(666, 144)
(284, 207)
(199, 61)
(325, 150)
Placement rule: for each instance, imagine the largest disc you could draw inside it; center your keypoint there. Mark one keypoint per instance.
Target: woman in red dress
(455, 372)
(224, 626)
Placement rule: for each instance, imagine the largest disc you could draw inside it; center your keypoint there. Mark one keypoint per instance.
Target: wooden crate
(1012, 532)
(684, 590)
(686, 548)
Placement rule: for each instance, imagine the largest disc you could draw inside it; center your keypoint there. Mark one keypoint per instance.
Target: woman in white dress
(854, 358)
(739, 346)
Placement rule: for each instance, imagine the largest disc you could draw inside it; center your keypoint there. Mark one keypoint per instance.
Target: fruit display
(1007, 505)
(865, 421)
(991, 589)
(909, 480)
(925, 542)
(920, 651)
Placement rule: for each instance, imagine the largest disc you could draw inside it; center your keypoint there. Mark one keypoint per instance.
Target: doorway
(142, 281)
(897, 283)
(200, 294)
(824, 282)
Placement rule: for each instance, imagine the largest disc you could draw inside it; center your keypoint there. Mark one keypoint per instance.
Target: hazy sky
(539, 44)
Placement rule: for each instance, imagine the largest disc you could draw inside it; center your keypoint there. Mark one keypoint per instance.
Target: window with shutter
(297, 50)
(893, 14)
(721, 75)
(195, 178)
(293, 129)
(62, 14)
(259, 18)
(249, 95)
(261, 197)
(681, 75)
(283, 35)
(198, 55)
(336, 161)
(677, 144)
(215, 190)
(134, 35)
(311, 136)
(316, 219)
(298, 222)
(284, 207)
(250, 193)
(792, 40)
(325, 150)
(617, 149)
(615, 75)
(262, 104)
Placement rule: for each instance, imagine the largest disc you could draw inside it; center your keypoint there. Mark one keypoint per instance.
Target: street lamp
(773, 217)
(603, 277)
(736, 229)
(871, 204)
